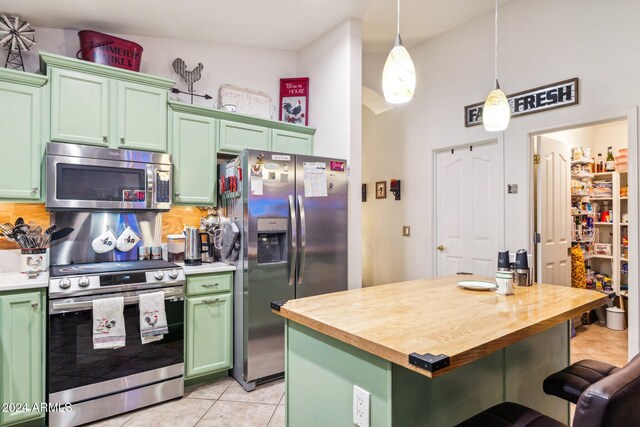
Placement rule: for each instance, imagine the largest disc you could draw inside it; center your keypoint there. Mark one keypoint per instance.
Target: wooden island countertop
(437, 316)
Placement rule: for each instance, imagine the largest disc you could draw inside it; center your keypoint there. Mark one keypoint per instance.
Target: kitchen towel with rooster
(108, 323)
(153, 318)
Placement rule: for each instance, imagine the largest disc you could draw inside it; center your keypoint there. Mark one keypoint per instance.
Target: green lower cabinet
(22, 345)
(235, 137)
(20, 134)
(208, 334)
(291, 142)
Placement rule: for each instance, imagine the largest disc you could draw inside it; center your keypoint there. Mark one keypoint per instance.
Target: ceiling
(276, 24)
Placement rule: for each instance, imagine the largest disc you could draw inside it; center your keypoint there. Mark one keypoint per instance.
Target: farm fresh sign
(556, 95)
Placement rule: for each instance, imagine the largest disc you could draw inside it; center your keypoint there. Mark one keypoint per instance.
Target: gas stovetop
(112, 277)
(99, 268)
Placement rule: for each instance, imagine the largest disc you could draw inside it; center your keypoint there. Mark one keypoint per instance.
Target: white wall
(541, 42)
(333, 63)
(254, 68)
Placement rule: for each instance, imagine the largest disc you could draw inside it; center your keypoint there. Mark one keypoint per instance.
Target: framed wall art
(294, 101)
(381, 190)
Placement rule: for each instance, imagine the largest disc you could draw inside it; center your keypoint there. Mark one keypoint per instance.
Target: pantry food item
(602, 188)
(610, 164)
(578, 270)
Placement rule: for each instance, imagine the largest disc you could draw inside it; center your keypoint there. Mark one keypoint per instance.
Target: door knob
(122, 140)
(440, 248)
(34, 189)
(105, 138)
(34, 305)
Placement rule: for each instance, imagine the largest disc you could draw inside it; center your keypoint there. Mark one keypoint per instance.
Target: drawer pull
(208, 285)
(207, 301)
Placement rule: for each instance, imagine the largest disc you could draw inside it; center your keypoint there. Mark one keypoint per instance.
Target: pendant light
(399, 74)
(496, 112)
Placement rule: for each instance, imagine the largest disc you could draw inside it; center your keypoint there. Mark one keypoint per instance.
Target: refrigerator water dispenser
(272, 240)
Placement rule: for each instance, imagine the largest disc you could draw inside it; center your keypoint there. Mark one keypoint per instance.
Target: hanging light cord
(398, 17)
(495, 43)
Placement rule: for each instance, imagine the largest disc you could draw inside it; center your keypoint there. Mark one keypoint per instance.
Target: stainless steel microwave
(85, 177)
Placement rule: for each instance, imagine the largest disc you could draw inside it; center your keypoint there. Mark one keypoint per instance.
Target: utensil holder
(34, 260)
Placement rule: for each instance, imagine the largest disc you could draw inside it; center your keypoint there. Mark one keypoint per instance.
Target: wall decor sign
(381, 190)
(543, 98)
(245, 101)
(294, 100)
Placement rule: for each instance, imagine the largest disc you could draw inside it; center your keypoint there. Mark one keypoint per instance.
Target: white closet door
(469, 210)
(554, 211)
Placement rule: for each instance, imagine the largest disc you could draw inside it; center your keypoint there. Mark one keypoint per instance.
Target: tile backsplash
(172, 221)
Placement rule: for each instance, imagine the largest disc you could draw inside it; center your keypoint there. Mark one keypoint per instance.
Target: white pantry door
(554, 211)
(469, 209)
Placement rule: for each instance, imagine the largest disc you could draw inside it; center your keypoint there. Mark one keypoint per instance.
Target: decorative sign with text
(294, 101)
(543, 98)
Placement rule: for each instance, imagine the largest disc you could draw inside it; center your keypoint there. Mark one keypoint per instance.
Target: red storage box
(109, 50)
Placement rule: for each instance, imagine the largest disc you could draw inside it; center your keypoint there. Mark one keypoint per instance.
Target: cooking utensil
(46, 237)
(62, 233)
(7, 230)
(19, 221)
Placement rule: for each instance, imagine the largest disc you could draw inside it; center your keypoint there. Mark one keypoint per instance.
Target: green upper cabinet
(21, 99)
(193, 146)
(106, 106)
(142, 117)
(22, 326)
(208, 334)
(235, 137)
(291, 142)
(80, 109)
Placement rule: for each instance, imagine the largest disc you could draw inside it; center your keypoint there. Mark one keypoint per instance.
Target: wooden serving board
(437, 316)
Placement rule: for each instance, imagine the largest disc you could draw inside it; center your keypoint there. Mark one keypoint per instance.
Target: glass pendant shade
(496, 112)
(398, 75)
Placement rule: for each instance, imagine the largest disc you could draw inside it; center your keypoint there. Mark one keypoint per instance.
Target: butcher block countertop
(437, 316)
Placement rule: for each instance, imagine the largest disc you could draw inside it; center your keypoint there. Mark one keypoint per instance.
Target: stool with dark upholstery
(569, 383)
(613, 401)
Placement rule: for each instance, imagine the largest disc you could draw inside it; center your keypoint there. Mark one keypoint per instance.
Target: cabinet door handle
(34, 305)
(122, 140)
(209, 285)
(34, 189)
(207, 301)
(105, 138)
(177, 194)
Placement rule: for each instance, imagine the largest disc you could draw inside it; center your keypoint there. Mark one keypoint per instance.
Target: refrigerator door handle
(303, 239)
(294, 241)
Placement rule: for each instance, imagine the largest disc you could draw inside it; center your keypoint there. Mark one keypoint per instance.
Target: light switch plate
(406, 231)
(361, 400)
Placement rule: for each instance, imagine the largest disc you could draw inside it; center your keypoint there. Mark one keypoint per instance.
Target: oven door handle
(169, 295)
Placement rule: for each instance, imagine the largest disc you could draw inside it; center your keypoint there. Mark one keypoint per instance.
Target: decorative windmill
(190, 77)
(16, 36)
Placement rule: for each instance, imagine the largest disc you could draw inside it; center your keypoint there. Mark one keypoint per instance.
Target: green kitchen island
(487, 348)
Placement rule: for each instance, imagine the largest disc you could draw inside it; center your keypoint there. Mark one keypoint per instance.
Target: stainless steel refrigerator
(292, 214)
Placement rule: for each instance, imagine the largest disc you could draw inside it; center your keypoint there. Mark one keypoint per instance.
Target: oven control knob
(83, 282)
(173, 274)
(159, 275)
(65, 283)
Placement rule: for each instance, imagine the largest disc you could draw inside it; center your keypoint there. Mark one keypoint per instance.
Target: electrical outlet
(361, 399)
(406, 231)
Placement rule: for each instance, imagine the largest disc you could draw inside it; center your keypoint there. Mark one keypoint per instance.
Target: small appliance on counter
(503, 260)
(211, 225)
(522, 272)
(175, 247)
(194, 247)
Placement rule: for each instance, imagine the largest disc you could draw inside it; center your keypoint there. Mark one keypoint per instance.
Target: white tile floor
(223, 403)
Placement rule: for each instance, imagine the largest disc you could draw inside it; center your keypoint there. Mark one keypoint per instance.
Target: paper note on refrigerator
(315, 179)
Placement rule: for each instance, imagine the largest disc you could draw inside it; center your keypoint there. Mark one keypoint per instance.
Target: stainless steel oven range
(103, 383)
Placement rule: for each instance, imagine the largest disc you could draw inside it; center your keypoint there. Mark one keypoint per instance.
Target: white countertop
(18, 281)
(216, 267)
